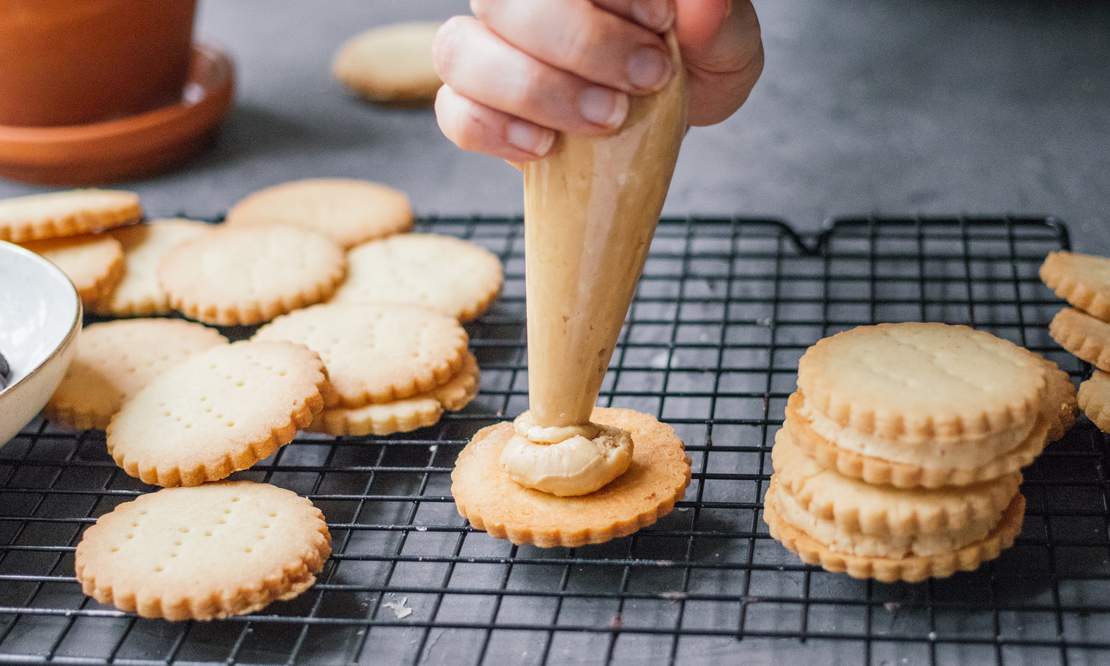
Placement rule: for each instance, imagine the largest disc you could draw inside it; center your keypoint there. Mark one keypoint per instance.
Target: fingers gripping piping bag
(590, 211)
(577, 475)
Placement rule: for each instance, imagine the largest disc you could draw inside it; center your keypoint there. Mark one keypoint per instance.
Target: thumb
(723, 53)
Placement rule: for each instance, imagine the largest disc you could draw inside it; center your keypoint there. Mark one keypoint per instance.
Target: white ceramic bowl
(40, 318)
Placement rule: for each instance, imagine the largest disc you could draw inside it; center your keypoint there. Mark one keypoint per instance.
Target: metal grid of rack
(725, 309)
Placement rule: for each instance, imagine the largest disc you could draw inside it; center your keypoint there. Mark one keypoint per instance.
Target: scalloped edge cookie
(94, 264)
(905, 475)
(66, 213)
(889, 570)
(1094, 399)
(405, 415)
(892, 415)
(350, 211)
(376, 352)
(1083, 336)
(130, 430)
(311, 265)
(486, 496)
(144, 245)
(110, 573)
(1072, 276)
(439, 272)
(90, 393)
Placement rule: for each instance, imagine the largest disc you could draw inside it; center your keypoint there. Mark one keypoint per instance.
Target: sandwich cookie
(879, 460)
(875, 531)
(487, 496)
(923, 382)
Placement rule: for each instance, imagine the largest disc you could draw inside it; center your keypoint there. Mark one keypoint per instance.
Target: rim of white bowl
(74, 326)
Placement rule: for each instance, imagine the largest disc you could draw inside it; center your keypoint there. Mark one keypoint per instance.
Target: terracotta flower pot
(69, 62)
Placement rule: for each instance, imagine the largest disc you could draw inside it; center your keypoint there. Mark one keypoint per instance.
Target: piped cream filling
(565, 461)
(931, 454)
(889, 546)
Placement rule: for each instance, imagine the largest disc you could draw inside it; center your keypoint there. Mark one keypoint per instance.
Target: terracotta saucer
(125, 147)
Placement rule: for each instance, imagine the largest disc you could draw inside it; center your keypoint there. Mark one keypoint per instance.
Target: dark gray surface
(942, 106)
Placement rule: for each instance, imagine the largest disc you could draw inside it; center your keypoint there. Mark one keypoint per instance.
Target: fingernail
(648, 68)
(529, 138)
(654, 14)
(602, 106)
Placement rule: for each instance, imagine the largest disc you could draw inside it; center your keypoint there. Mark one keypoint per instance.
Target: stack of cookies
(63, 226)
(901, 452)
(393, 368)
(1083, 280)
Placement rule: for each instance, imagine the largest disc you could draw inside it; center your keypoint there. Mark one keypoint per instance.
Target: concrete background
(904, 106)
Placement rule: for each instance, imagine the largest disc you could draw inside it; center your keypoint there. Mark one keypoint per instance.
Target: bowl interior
(38, 308)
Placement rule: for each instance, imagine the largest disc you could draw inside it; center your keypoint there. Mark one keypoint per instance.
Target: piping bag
(590, 211)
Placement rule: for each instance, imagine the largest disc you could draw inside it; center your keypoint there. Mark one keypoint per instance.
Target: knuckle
(529, 91)
(579, 45)
(445, 46)
(469, 128)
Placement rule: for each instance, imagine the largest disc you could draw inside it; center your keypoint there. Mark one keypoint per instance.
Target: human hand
(519, 71)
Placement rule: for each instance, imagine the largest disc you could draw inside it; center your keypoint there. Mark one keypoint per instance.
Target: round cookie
(94, 264)
(203, 553)
(419, 411)
(935, 465)
(875, 531)
(1094, 399)
(443, 273)
(1081, 279)
(346, 210)
(486, 496)
(218, 412)
(144, 245)
(391, 63)
(1082, 335)
(376, 353)
(116, 359)
(964, 382)
(248, 275)
(68, 213)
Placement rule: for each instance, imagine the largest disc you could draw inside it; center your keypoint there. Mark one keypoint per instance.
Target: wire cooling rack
(724, 311)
